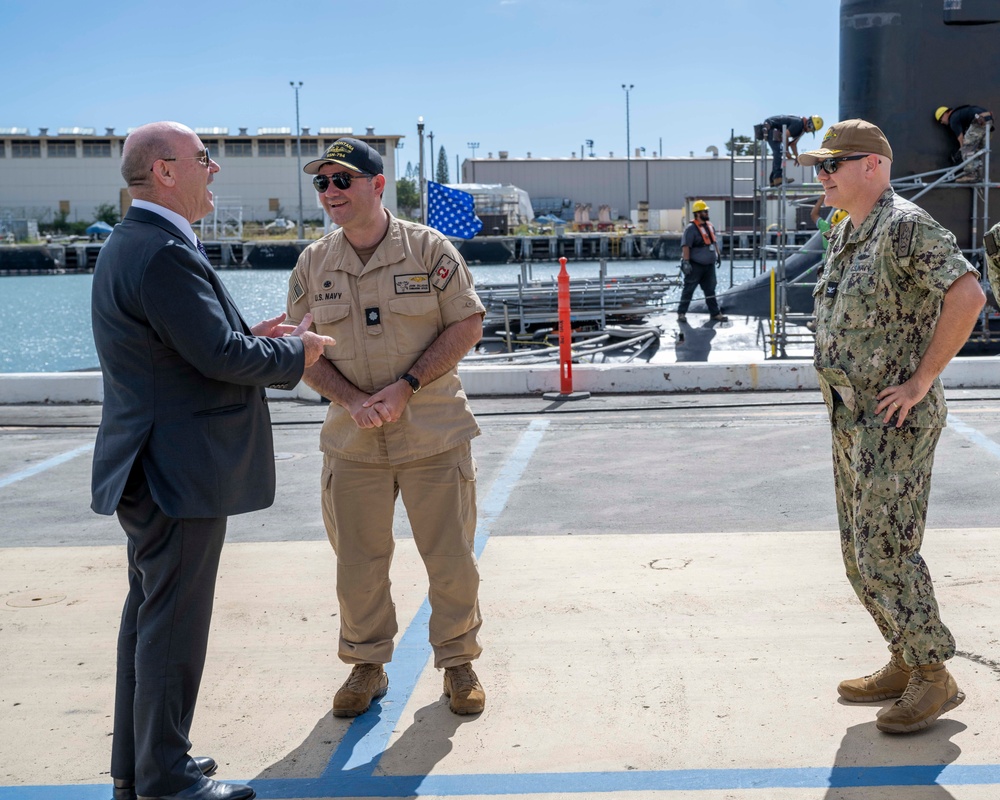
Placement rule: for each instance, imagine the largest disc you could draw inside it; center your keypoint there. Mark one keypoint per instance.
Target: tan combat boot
(931, 692)
(366, 682)
(466, 693)
(887, 683)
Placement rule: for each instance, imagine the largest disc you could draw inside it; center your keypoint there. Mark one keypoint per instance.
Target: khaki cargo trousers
(439, 494)
(883, 480)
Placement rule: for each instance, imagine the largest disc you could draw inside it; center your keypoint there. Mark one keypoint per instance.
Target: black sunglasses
(830, 164)
(203, 157)
(342, 180)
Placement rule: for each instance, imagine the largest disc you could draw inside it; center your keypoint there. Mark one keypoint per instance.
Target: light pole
(590, 146)
(420, 134)
(433, 164)
(628, 149)
(298, 153)
(472, 146)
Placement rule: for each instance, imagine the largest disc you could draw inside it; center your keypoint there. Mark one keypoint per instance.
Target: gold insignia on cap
(340, 148)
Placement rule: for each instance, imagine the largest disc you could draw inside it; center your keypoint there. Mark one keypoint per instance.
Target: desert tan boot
(366, 682)
(466, 693)
(930, 693)
(886, 684)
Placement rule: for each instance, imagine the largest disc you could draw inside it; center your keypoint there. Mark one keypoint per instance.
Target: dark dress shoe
(206, 764)
(124, 788)
(207, 789)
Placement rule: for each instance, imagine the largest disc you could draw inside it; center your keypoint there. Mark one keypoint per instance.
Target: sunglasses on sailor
(829, 165)
(203, 157)
(342, 180)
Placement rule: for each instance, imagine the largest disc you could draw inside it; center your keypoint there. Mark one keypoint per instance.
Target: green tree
(106, 212)
(442, 175)
(407, 195)
(744, 146)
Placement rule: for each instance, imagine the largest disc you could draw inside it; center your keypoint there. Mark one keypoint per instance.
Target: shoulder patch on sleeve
(903, 235)
(443, 272)
(295, 289)
(992, 241)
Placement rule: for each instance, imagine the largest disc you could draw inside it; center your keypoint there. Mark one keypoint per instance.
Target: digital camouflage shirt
(992, 243)
(878, 303)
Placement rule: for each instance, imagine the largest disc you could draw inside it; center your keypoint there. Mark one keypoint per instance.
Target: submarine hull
(899, 61)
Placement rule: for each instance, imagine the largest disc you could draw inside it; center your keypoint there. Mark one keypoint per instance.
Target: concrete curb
(520, 380)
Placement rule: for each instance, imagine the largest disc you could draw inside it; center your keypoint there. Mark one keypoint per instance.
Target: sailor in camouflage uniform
(992, 244)
(896, 302)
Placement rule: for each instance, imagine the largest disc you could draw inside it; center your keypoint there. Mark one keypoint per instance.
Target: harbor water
(47, 317)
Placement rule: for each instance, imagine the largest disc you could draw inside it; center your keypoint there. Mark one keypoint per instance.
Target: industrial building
(73, 170)
(665, 186)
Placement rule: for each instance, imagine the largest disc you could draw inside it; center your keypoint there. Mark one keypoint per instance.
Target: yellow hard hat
(817, 123)
(942, 110)
(699, 205)
(838, 216)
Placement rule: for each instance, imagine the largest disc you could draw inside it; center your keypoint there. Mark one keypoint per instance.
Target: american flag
(451, 211)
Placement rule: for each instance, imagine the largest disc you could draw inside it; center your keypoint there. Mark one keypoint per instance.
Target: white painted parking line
(42, 466)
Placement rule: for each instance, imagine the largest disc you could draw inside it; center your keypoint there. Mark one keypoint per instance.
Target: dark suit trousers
(172, 566)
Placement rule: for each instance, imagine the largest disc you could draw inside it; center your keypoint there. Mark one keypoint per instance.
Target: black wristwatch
(414, 383)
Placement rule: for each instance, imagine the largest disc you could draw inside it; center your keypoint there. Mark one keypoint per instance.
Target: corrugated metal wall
(663, 182)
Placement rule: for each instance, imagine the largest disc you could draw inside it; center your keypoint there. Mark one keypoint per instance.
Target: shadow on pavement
(396, 772)
(930, 751)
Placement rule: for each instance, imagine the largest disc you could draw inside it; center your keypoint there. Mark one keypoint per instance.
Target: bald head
(143, 146)
(167, 164)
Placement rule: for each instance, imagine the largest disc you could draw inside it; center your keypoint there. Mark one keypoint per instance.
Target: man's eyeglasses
(342, 180)
(830, 164)
(204, 158)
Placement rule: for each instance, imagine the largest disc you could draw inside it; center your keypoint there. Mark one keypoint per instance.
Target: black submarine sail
(899, 61)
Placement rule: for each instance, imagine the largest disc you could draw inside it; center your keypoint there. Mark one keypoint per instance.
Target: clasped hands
(386, 405)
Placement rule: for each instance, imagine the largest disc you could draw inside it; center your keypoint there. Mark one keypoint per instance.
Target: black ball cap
(355, 155)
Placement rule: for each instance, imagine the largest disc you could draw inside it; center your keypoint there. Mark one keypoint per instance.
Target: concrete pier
(666, 616)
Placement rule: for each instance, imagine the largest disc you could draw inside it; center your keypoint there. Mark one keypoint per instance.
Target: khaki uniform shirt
(878, 303)
(384, 315)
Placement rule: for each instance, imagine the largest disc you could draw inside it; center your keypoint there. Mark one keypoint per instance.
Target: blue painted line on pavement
(585, 783)
(368, 735)
(354, 784)
(41, 466)
(974, 436)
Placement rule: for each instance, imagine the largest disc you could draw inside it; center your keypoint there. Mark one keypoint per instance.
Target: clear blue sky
(538, 76)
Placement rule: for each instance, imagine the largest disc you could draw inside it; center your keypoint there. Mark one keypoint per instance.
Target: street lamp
(298, 153)
(628, 148)
(420, 134)
(590, 146)
(433, 164)
(472, 146)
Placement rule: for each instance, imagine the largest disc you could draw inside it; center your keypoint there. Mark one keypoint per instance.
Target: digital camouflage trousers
(883, 479)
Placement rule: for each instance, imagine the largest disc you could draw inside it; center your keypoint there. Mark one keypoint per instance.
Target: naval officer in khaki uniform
(896, 302)
(400, 302)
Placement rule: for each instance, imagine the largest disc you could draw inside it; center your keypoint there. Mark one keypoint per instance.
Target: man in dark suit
(185, 441)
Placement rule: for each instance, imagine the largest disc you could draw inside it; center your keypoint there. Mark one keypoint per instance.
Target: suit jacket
(183, 378)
